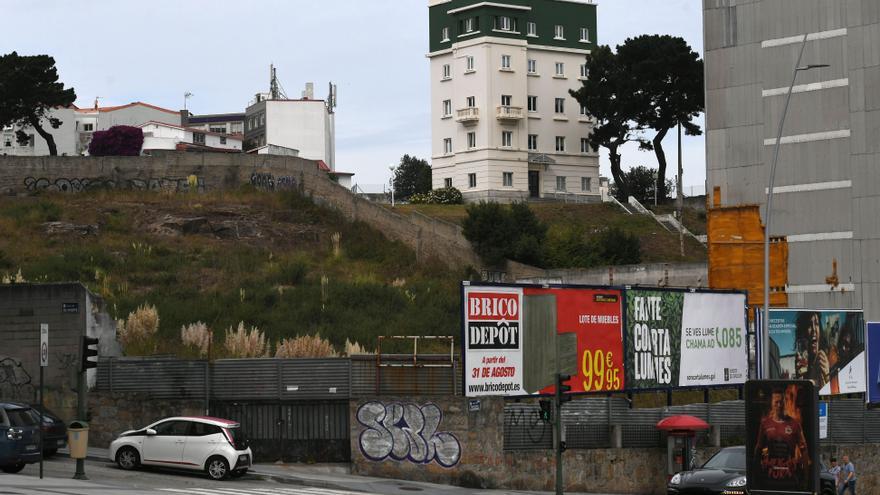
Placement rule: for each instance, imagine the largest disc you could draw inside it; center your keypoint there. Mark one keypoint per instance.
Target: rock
(64, 228)
(173, 225)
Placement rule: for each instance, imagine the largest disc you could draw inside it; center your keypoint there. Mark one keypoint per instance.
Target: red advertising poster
(594, 315)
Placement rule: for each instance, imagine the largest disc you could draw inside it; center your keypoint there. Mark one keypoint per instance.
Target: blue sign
(823, 420)
(873, 362)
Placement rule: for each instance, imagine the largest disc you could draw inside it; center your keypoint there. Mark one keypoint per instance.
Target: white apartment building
(503, 124)
(161, 136)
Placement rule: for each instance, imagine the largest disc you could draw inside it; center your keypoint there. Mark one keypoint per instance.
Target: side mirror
(151, 432)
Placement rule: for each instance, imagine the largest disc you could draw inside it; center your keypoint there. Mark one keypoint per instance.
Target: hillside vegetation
(275, 262)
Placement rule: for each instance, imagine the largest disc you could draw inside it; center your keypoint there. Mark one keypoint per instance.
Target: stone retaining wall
(111, 414)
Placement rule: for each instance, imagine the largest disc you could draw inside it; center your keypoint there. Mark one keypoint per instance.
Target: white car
(216, 446)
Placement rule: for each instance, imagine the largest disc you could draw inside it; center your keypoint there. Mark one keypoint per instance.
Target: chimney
(184, 118)
(309, 93)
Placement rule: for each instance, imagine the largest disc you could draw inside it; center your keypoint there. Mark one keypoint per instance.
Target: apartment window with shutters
(444, 34)
(532, 29)
(585, 73)
(560, 69)
(447, 146)
(533, 66)
(472, 140)
(558, 32)
(447, 108)
(505, 61)
(472, 180)
(447, 71)
(471, 101)
(507, 179)
(506, 139)
(560, 105)
(586, 184)
(560, 183)
(533, 142)
(560, 143)
(585, 35)
(447, 182)
(469, 61)
(533, 103)
(585, 145)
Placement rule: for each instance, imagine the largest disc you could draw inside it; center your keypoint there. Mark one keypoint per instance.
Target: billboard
(826, 347)
(781, 436)
(492, 344)
(873, 359)
(682, 339)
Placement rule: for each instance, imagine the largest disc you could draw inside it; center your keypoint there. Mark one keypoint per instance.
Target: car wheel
(128, 458)
(217, 468)
(239, 473)
(13, 468)
(49, 452)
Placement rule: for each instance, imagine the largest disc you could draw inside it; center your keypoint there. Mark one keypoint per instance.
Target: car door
(165, 448)
(203, 439)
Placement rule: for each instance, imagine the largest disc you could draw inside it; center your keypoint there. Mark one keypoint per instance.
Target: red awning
(682, 422)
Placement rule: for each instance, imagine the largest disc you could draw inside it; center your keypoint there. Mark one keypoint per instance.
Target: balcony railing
(509, 113)
(468, 115)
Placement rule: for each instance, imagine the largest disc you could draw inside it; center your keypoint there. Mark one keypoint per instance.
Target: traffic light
(562, 389)
(87, 352)
(546, 410)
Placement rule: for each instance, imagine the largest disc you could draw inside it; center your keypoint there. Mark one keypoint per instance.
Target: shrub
(566, 248)
(305, 346)
(443, 196)
(136, 333)
(198, 336)
(498, 233)
(354, 348)
(616, 247)
(119, 140)
(244, 343)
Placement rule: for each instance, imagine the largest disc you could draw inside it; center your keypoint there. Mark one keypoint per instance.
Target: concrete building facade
(826, 194)
(503, 125)
(159, 136)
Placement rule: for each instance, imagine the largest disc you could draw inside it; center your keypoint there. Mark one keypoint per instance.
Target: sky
(220, 51)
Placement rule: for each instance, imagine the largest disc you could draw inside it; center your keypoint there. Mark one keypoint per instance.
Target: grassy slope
(271, 279)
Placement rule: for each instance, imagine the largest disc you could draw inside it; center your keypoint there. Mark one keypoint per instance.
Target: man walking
(835, 471)
(848, 471)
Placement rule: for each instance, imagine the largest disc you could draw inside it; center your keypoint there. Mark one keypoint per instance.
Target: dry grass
(354, 348)
(198, 336)
(305, 346)
(244, 343)
(136, 333)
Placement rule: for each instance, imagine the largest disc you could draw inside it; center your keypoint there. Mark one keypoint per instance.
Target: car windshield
(728, 459)
(21, 417)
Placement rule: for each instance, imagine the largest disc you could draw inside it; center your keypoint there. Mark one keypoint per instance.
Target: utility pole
(562, 396)
(680, 198)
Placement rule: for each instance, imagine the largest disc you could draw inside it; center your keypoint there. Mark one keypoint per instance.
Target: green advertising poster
(653, 335)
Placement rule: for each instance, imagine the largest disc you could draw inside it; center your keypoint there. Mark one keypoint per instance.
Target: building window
(470, 63)
(585, 145)
(507, 179)
(88, 127)
(222, 140)
(533, 142)
(31, 140)
(584, 110)
(505, 61)
(447, 146)
(469, 25)
(218, 130)
(447, 108)
(560, 183)
(472, 140)
(560, 105)
(585, 35)
(471, 101)
(558, 32)
(585, 73)
(532, 29)
(198, 138)
(472, 180)
(7, 143)
(533, 66)
(444, 34)
(507, 139)
(447, 71)
(560, 69)
(533, 103)
(447, 182)
(506, 100)
(560, 143)
(505, 23)
(586, 184)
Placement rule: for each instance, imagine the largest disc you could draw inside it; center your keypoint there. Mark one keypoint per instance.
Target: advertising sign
(680, 339)
(781, 436)
(823, 420)
(873, 394)
(826, 347)
(492, 343)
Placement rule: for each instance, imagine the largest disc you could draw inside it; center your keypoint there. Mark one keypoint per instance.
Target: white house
(163, 136)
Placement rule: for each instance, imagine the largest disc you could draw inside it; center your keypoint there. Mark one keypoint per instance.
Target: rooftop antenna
(96, 101)
(331, 103)
(186, 96)
(276, 92)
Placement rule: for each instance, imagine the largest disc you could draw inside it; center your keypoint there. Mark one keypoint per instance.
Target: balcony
(468, 115)
(509, 114)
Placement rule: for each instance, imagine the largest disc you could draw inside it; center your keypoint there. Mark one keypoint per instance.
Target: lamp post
(765, 337)
(392, 168)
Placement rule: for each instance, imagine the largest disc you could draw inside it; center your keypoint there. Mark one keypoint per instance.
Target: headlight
(741, 481)
(675, 479)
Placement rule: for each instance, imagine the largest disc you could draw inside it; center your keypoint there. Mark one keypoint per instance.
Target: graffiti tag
(268, 182)
(15, 381)
(172, 184)
(406, 432)
(67, 185)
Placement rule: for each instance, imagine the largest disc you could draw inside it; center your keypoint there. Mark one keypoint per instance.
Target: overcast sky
(374, 50)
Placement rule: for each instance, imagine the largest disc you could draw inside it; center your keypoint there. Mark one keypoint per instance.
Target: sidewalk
(339, 477)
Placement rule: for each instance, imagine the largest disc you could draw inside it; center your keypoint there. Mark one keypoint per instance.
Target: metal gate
(292, 431)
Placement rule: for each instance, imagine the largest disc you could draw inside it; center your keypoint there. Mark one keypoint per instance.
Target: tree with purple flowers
(119, 140)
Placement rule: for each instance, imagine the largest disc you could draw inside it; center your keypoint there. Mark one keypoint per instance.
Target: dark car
(18, 437)
(54, 431)
(725, 473)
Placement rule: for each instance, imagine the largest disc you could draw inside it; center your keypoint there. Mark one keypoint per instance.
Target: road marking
(261, 491)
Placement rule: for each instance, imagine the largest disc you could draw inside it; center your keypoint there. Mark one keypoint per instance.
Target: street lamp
(765, 338)
(392, 168)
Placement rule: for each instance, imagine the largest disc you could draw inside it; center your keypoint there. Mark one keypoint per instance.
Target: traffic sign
(44, 345)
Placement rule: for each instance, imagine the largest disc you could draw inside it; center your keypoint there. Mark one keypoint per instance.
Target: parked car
(214, 445)
(54, 430)
(725, 473)
(18, 437)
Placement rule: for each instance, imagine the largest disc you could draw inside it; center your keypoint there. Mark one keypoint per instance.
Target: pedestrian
(835, 471)
(849, 476)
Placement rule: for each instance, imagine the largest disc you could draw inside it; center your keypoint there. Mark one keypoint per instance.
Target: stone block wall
(111, 414)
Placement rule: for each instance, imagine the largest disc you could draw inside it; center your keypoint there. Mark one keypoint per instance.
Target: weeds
(198, 336)
(244, 343)
(136, 333)
(305, 346)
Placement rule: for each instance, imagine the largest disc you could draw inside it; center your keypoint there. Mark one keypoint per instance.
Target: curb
(291, 480)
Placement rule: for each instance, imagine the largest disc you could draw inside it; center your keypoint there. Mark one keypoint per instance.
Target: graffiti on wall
(268, 182)
(170, 184)
(173, 184)
(15, 381)
(406, 432)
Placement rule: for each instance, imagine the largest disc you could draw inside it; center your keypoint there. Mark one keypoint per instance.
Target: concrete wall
(111, 414)
(655, 274)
